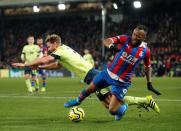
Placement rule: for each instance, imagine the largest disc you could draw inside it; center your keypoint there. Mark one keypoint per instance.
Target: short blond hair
(53, 38)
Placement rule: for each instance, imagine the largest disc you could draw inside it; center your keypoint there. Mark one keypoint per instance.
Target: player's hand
(34, 67)
(18, 64)
(113, 49)
(151, 88)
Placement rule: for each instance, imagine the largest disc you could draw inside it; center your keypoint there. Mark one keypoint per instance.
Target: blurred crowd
(79, 33)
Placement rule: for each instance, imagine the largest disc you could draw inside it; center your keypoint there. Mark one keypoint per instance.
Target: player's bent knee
(91, 90)
(27, 76)
(34, 77)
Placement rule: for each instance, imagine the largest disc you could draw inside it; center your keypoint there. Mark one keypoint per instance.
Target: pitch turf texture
(45, 112)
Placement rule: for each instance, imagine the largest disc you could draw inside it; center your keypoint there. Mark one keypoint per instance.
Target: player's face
(30, 40)
(51, 46)
(138, 36)
(39, 41)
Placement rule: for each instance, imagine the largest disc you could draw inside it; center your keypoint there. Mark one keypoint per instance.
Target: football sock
(28, 85)
(32, 83)
(44, 81)
(122, 108)
(37, 83)
(134, 100)
(83, 95)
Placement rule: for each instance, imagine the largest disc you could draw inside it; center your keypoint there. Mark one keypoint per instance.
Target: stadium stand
(80, 32)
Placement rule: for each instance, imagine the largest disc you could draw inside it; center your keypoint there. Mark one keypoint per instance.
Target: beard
(136, 43)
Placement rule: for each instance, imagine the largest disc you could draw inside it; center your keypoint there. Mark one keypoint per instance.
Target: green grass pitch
(45, 112)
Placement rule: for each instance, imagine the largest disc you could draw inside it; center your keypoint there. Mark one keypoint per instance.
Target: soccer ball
(76, 114)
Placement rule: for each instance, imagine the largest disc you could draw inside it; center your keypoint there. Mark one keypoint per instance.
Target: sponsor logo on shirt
(129, 58)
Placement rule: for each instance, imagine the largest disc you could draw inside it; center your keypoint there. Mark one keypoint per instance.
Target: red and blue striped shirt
(127, 59)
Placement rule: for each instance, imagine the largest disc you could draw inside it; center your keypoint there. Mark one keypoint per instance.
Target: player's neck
(135, 44)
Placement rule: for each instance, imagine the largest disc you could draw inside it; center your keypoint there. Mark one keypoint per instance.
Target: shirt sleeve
(119, 39)
(56, 55)
(147, 59)
(23, 51)
(38, 49)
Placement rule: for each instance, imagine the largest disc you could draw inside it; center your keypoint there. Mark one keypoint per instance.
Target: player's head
(39, 41)
(139, 34)
(86, 51)
(53, 41)
(30, 39)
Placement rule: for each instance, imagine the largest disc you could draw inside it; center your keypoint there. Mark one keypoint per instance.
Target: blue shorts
(103, 80)
(28, 70)
(41, 72)
(90, 75)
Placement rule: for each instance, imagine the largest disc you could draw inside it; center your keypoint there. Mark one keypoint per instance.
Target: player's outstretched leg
(33, 85)
(78, 100)
(43, 88)
(142, 102)
(152, 104)
(71, 103)
(104, 95)
(117, 107)
(28, 84)
(122, 109)
(85, 93)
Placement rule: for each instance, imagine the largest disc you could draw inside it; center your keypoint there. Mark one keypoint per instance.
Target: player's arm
(148, 72)
(147, 65)
(40, 54)
(112, 42)
(42, 60)
(50, 66)
(23, 55)
(35, 63)
(107, 42)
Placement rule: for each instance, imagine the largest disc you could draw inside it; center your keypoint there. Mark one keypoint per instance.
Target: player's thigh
(120, 90)
(101, 81)
(107, 100)
(27, 76)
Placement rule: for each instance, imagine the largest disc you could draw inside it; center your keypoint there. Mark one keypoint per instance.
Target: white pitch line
(171, 100)
(36, 97)
(61, 97)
